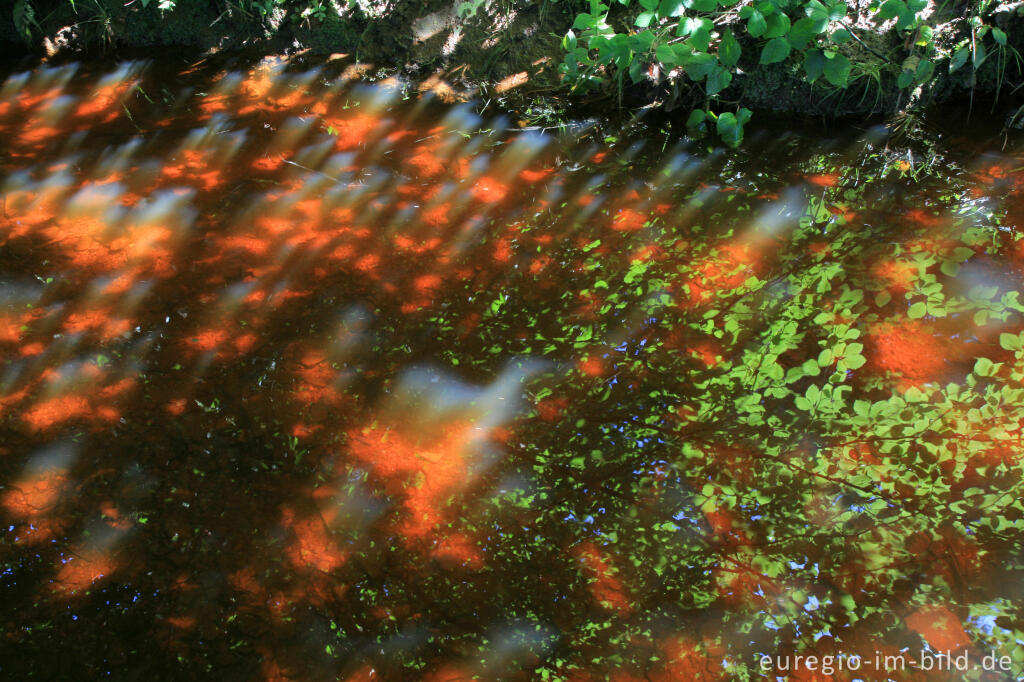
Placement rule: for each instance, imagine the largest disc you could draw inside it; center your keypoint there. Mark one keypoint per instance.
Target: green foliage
(702, 44)
(24, 17)
(730, 126)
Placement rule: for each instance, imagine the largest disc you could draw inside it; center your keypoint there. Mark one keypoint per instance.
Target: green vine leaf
(699, 66)
(840, 36)
(730, 128)
(802, 33)
(756, 25)
(24, 17)
(696, 124)
(671, 8)
(778, 26)
(729, 49)
(890, 9)
(959, 58)
(776, 50)
(718, 80)
(837, 70)
(1009, 341)
(814, 64)
(816, 11)
(643, 20)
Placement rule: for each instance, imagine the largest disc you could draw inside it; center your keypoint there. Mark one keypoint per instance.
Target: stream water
(303, 378)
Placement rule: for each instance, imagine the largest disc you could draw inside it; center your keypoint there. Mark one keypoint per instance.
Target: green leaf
(980, 55)
(962, 253)
(636, 71)
(671, 8)
(906, 20)
(649, 5)
(700, 39)
(696, 124)
(23, 18)
(756, 25)
(816, 11)
(730, 129)
(837, 70)
(802, 32)
(1009, 341)
(643, 20)
(718, 80)
(641, 41)
(776, 50)
(959, 58)
(917, 310)
(814, 64)
(666, 54)
(854, 361)
(584, 21)
(924, 72)
(890, 9)
(729, 49)
(840, 36)
(778, 25)
(999, 35)
(701, 5)
(698, 66)
(687, 26)
(983, 367)
(905, 80)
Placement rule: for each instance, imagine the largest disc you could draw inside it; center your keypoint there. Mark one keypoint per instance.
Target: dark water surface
(306, 380)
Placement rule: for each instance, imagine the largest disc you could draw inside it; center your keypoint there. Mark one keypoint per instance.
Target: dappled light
(305, 378)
